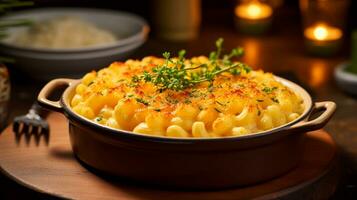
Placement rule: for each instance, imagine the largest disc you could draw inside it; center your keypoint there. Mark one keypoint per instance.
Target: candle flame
(320, 32)
(323, 32)
(253, 10)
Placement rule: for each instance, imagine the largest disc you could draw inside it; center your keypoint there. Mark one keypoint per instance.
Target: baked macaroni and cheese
(178, 97)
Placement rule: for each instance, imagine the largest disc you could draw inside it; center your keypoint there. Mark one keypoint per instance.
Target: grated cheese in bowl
(63, 32)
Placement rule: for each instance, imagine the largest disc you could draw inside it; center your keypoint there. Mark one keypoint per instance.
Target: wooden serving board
(54, 170)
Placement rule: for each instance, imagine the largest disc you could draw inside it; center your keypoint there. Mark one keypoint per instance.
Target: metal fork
(31, 125)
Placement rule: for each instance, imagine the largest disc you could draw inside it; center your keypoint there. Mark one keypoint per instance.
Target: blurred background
(209, 19)
(306, 41)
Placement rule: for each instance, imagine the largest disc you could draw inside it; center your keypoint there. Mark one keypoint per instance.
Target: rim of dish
(77, 55)
(119, 132)
(139, 36)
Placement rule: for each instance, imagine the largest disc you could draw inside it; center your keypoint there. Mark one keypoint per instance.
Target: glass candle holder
(323, 25)
(253, 16)
(177, 20)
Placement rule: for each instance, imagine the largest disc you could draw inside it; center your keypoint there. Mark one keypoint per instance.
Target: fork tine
(30, 128)
(41, 134)
(25, 126)
(46, 135)
(34, 127)
(45, 131)
(27, 137)
(31, 125)
(37, 135)
(15, 127)
(46, 127)
(18, 136)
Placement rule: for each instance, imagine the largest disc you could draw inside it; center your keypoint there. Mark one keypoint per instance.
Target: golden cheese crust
(231, 105)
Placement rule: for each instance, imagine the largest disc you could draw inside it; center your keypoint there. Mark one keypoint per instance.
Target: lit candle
(253, 17)
(253, 10)
(323, 32)
(322, 39)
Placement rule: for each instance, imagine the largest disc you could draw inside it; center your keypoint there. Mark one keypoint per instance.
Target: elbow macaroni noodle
(232, 106)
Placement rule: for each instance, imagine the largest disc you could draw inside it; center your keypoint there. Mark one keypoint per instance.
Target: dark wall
(142, 7)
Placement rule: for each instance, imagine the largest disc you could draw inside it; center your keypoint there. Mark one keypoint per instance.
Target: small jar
(4, 95)
(177, 20)
(323, 25)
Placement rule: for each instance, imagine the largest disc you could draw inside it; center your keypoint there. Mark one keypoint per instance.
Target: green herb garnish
(90, 83)
(171, 100)
(98, 119)
(217, 110)
(222, 104)
(174, 75)
(143, 101)
(275, 100)
(187, 101)
(269, 90)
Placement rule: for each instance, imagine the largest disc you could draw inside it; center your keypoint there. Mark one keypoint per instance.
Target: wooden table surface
(54, 170)
(281, 52)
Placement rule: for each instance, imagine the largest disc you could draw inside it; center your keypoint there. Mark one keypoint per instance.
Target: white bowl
(347, 81)
(46, 63)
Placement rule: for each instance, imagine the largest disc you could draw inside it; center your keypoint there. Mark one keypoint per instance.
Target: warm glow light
(253, 10)
(322, 32)
(252, 49)
(318, 73)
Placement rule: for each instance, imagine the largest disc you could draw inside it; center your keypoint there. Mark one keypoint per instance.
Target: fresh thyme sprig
(174, 75)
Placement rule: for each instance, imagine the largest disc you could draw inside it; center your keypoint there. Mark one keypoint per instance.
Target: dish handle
(326, 107)
(48, 89)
